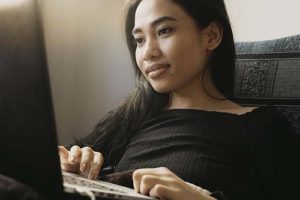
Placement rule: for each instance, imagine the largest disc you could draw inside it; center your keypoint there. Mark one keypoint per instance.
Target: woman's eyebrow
(155, 23)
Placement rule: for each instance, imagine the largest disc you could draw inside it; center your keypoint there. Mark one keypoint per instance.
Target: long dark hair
(113, 132)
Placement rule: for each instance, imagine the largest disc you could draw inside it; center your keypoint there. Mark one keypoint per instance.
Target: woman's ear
(214, 35)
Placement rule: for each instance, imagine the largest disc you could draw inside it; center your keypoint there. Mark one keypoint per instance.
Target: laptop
(28, 143)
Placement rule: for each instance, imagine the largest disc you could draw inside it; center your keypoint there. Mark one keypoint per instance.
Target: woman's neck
(194, 101)
(194, 96)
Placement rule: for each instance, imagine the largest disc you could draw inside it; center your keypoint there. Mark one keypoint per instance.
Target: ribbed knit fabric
(248, 156)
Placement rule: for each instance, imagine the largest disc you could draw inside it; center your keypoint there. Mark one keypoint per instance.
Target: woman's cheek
(138, 58)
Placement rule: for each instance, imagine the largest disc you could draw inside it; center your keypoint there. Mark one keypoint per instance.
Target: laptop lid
(28, 141)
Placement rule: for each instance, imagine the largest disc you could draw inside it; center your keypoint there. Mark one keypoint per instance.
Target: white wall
(264, 19)
(89, 64)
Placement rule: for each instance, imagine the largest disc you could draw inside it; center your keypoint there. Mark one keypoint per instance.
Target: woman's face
(171, 51)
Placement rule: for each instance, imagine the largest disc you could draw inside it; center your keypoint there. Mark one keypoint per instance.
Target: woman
(180, 128)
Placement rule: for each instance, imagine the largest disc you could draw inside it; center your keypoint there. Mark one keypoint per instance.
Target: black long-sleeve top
(248, 156)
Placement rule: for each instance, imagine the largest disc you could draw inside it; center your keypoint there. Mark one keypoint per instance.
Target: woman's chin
(161, 90)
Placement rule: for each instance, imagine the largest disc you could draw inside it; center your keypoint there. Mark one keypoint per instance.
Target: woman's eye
(138, 41)
(164, 31)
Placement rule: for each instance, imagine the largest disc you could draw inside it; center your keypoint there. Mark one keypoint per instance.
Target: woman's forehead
(150, 10)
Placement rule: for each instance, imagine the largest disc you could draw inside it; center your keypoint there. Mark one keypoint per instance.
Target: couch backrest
(268, 73)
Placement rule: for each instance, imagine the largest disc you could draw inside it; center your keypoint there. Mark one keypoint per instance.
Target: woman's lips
(155, 71)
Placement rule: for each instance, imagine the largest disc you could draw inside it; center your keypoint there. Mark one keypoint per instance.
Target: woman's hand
(163, 184)
(83, 161)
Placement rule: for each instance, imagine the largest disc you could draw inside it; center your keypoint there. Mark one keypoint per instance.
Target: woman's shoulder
(239, 110)
(263, 114)
(266, 122)
(252, 112)
(233, 108)
(263, 118)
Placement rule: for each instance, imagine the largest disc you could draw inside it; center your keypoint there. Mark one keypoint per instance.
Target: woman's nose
(151, 50)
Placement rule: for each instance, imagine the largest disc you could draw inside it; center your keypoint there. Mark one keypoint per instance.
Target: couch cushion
(268, 73)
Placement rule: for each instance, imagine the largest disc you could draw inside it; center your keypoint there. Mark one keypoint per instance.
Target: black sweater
(249, 156)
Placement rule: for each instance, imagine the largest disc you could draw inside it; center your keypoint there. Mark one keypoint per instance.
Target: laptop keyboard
(88, 183)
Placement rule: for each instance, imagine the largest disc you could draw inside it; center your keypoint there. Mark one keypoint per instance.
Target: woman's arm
(275, 154)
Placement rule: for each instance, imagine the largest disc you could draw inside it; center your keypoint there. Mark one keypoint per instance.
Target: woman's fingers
(148, 182)
(91, 162)
(159, 172)
(74, 155)
(164, 184)
(64, 157)
(63, 154)
(159, 191)
(87, 156)
(81, 160)
(96, 165)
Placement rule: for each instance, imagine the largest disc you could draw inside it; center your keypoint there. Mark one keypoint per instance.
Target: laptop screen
(27, 139)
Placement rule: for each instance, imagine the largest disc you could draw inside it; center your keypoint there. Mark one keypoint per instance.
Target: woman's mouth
(157, 70)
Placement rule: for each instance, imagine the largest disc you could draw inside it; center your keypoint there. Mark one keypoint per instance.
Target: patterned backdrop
(268, 73)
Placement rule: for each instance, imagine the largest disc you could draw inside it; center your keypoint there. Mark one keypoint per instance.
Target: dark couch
(268, 73)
